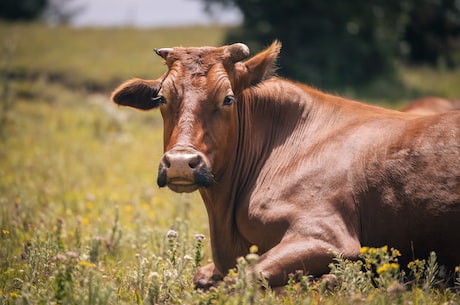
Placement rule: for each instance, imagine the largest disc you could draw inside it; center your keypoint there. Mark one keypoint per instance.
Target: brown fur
(431, 105)
(298, 172)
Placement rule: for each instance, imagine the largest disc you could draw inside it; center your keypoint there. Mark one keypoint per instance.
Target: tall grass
(81, 219)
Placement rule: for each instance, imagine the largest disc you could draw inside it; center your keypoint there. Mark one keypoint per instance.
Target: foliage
(432, 32)
(81, 221)
(341, 44)
(54, 11)
(22, 9)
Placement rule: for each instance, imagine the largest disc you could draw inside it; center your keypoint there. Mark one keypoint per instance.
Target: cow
(431, 105)
(295, 171)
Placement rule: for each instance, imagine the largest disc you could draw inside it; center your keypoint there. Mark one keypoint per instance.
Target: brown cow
(298, 172)
(431, 105)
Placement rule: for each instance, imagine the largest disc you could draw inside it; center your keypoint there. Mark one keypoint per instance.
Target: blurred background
(355, 47)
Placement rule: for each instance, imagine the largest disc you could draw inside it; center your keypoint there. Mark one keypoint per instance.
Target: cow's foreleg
(206, 277)
(310, 256)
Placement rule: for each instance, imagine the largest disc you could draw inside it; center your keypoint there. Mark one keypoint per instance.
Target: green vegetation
(336, 45)
(81, 218)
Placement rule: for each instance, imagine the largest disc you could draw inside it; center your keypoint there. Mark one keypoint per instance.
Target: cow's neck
(257, 135)
(226, 244)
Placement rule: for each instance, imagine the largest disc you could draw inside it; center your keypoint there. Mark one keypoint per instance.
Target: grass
(81, 220)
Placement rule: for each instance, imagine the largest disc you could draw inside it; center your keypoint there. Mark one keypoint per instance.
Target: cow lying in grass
(296, 171)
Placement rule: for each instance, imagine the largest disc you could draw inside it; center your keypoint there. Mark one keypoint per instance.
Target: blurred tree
(54, 11)
(21, 9)
(432, 33)
(332, 43)
(61, 11)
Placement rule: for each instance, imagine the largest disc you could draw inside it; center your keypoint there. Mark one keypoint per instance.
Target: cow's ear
(263, 65)
(138, 93)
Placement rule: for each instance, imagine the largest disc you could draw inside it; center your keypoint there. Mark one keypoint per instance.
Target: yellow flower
(84, 221)
(232, 273)
(86, 264)
(18, 200)
(128, 208)
(253, 249)
(395, 252)
(383, 268)
(387, 267)
(385, 248)
(13, 294)
(89, 205)
(363, 250)
(5, 232)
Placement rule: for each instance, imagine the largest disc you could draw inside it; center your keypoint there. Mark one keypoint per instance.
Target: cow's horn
(238, 51)
(163, 52)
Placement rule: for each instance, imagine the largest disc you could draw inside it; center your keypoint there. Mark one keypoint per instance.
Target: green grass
(81, 218)
(95, 58)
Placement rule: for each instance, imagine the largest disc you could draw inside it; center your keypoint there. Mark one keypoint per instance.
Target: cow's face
(198, 98)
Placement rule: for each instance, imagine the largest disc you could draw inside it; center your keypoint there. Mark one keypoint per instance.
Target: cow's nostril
(194, 161)
(166, 161)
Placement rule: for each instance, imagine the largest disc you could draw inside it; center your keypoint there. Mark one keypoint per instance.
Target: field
(81, 218)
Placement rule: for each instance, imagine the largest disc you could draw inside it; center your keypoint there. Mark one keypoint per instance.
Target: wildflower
(5, 232)
(232, 273)
(89, 205)
(363, 250)
(18, 200)
(199, 237)
(86, 264)
(13, 294)
(84, 221)
(60, 257)
(71, 254)
(128, 208)
(395, 252)
(253, 249)
(172, 234)
(154, 275)
(252, 258)
(387, 267)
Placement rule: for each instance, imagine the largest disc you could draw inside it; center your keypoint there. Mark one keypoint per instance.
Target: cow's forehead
(196, 59)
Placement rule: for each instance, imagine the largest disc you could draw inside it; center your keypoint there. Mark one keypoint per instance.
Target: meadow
(81, 218)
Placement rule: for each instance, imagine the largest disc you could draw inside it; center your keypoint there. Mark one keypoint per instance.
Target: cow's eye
(228, 100)
(159, 100)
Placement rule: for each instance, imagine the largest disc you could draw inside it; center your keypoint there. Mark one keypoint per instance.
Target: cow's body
(431, 105)
(298, 172)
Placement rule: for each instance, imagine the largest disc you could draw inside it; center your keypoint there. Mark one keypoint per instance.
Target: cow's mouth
(182, 186)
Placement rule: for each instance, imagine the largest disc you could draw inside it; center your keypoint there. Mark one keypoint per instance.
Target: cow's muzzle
(184, 171)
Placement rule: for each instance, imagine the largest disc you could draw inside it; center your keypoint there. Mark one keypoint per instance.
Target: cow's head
(198, 98)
